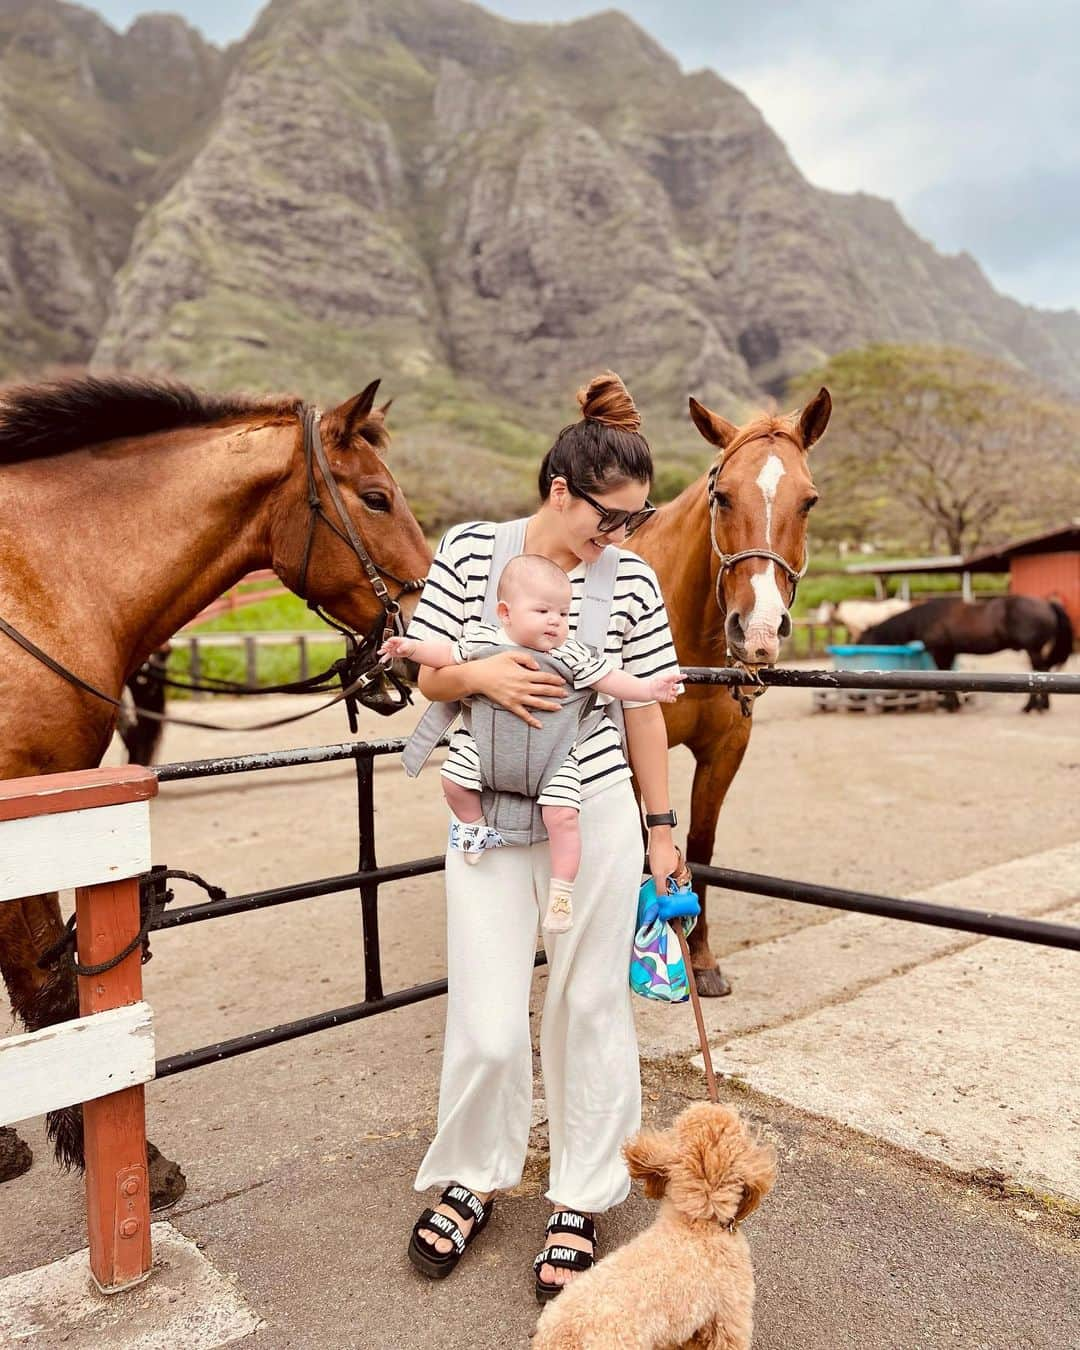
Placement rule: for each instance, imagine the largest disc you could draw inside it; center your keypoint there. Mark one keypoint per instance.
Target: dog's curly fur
(686, 1283)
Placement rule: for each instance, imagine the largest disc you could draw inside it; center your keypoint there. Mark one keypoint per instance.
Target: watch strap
(661, 818)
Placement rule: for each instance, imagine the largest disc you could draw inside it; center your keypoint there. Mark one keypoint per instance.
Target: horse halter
(361, 653)
(728, 560)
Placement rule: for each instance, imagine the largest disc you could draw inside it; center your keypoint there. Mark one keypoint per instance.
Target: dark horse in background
(949, 628)
(141, 734)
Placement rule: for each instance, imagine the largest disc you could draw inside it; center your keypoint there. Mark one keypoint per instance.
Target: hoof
(15, 1155)
(167, 1182)
(711, 982)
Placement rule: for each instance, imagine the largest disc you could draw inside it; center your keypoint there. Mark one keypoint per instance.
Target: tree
(941, 448)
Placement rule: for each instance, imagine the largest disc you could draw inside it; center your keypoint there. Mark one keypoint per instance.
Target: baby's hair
(528, 569)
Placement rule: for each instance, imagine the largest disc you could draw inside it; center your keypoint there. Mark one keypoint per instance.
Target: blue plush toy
(657, 969)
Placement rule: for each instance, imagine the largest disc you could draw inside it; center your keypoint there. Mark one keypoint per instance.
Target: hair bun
(606, 399)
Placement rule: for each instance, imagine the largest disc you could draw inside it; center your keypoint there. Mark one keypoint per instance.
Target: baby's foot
(559, 916)
(473, 837)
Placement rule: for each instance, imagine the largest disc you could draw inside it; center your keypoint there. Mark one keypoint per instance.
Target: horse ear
(814, 418)
(712, 426)
(356, 411)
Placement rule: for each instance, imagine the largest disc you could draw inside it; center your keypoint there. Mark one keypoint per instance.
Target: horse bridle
(729, 560)
(361, 652)
(360, 667)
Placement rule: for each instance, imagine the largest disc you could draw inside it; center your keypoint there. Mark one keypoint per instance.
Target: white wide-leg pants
(588, 1046)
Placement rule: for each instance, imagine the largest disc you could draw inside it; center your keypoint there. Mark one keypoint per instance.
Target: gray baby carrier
(518, 761)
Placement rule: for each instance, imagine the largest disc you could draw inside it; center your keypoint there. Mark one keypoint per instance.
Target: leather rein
(357, 671)
(728, 560)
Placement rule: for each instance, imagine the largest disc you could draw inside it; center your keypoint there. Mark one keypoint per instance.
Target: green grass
(274, 664)
(827, 580)
(278, 613)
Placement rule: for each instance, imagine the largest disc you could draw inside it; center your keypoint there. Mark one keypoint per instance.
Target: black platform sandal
(567, 1258)
(437, 1265)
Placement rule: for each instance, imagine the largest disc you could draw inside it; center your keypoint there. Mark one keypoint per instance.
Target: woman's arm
(646, 742)
(512, 679)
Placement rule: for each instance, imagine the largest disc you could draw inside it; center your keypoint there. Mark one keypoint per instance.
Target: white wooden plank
(75, 1061)
(75, 848)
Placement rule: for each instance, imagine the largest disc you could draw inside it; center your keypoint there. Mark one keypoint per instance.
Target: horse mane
(55, 416)
(766, 425)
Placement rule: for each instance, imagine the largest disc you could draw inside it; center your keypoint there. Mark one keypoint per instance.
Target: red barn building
(1046, 566)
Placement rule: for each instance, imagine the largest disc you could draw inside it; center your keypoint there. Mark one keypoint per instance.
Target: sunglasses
(613, 518)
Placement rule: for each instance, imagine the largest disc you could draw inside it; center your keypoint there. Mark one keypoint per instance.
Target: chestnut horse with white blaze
(126, 505)
(729, 551)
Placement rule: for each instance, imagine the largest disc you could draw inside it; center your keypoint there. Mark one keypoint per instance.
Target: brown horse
(728, 552)
(949, 628)
(125, 507)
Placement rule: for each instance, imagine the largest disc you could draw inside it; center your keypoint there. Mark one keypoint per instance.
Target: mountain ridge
(481, 210)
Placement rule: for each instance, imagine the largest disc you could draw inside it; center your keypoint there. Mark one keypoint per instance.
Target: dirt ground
(289, 1150)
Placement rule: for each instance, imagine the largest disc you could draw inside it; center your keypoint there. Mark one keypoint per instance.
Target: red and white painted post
(90, 830)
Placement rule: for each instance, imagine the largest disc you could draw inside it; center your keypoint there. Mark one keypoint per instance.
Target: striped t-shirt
(638, 637)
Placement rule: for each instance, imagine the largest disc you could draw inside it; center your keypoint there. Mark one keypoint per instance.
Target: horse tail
(65, 1131)
(1063, 638)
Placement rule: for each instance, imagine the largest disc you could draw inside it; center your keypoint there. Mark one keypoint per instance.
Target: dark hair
(605, 448)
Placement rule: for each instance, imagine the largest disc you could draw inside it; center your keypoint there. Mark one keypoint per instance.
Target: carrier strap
(596, 601)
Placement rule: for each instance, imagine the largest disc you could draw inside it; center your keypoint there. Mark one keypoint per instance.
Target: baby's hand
(396, 647)
(665, 688)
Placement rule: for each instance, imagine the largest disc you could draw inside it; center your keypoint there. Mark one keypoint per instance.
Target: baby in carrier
(533, 612)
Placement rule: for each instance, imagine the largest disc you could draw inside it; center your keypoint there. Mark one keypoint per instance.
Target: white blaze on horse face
(762, 624)
(771, 473)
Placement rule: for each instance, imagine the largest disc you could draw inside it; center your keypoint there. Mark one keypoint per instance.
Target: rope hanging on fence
(153, 897)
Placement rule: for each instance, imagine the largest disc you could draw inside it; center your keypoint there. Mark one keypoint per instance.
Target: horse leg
(943, 658)
(713, 774)
(1038, 700)
(42, 998)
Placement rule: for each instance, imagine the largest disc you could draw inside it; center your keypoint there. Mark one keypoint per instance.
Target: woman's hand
(514, 681)
(663, 856)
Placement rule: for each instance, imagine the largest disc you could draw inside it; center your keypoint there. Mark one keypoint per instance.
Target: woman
(594, 485)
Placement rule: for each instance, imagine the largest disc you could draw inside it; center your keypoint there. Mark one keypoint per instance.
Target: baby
(533, 611)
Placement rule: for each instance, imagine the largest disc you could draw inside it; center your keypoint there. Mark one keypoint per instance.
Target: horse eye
(722, 500)
(376, 501)
(809, 505)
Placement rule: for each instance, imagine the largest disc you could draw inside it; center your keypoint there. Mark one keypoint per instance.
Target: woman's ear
(559, 493)
(649, 1156)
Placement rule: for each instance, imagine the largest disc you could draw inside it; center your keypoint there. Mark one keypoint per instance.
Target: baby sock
(467, 837)
(560, 910)
(477, 829)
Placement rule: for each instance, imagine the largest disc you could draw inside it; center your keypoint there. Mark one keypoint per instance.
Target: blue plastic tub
(911, 656)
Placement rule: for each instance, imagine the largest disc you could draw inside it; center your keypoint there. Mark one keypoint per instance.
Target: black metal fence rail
(369, 876)
(942, 681)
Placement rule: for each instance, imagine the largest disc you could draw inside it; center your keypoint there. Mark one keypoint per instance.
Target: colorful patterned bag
(657, 968)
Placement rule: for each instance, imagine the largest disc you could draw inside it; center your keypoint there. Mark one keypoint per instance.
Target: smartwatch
(661, 818)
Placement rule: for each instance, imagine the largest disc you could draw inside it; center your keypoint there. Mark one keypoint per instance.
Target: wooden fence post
(90, 830)
(114, 1127)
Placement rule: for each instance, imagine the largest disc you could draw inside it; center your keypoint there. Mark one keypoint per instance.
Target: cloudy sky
(965, 113)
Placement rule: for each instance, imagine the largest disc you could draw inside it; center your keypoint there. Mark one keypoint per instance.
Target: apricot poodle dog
(686, 1283)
